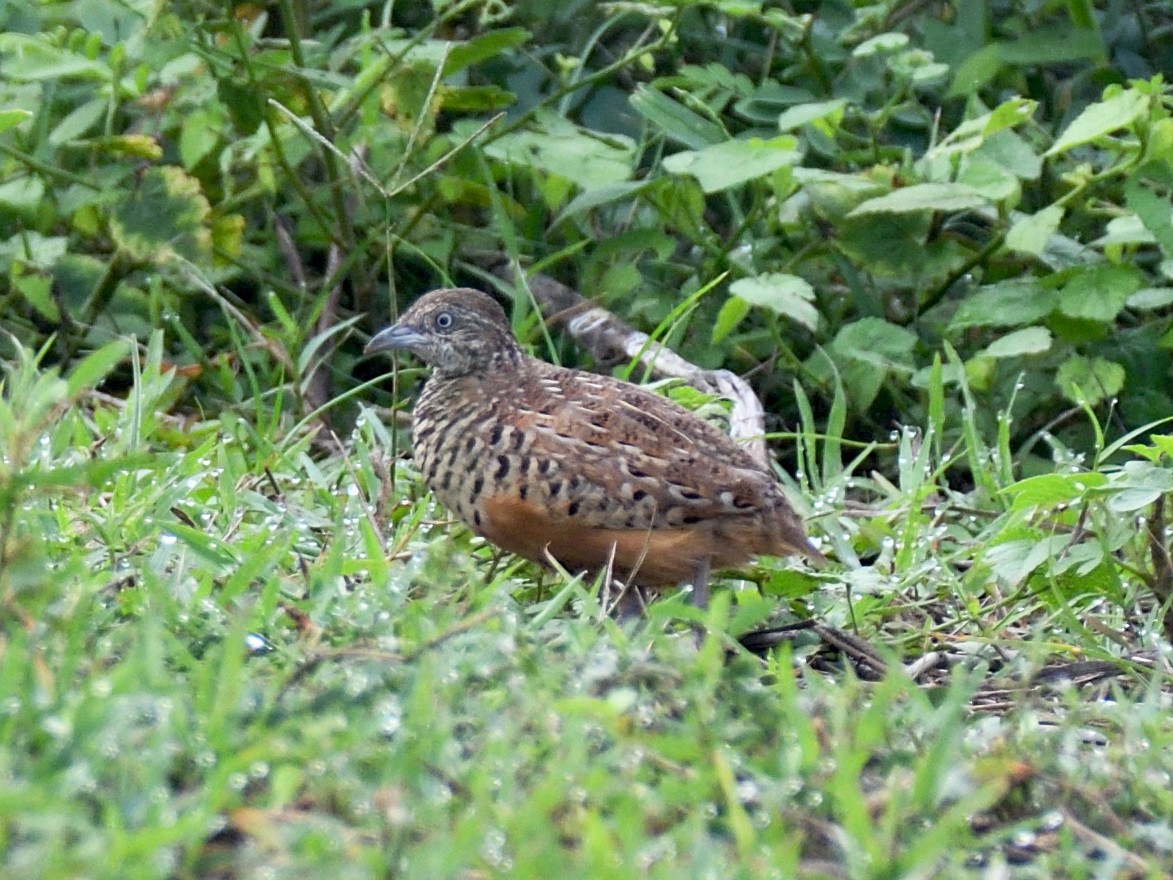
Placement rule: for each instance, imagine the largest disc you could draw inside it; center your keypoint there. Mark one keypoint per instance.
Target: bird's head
(456, 332)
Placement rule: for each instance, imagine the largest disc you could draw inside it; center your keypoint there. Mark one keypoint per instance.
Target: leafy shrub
(936, 236)
(868, 188)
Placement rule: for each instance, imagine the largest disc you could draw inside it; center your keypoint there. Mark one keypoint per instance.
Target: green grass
(223, 656)
(230, 648)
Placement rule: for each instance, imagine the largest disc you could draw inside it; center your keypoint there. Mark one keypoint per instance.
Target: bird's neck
(503, 369)
(506, 360)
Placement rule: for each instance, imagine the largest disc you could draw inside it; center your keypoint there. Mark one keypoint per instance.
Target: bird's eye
(443, 320)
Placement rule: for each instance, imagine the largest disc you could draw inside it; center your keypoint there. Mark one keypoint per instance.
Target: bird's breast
(469, 447)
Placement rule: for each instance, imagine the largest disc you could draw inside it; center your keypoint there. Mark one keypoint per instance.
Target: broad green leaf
(33, 59)
(679, 198)
(1160, 137)
(1100, 119)
(1166, 340)
(602, 195)
(1010, 113)
(1089, 380)
(95, 366)
(1030, 234)
(1132, 499)
(23, 194)
(739, 8)
(1099, 292)
(75, 277)
(1013, 153)
(1015, 561)
(1155, 212)
(733, 162)
(786, 295)
(1164, 443)
(245, 105)
(483, 47)
(975, 72)
(1008, 304)
(919, 66)
(763, 105)
(1148, 298)
(1082, 14)
(923, 197)
(475, 99)
(166, 214)
(893, 246)
(833, 194)
(794, 28)
(886, 42)
(560, 147)
(1049, 490)
(1019, 343)
(80, 120)
(1126, 230)
(796, 117)
(37, 290)
(973, 133)
(228, 235)
(31, 248)
(126, 20)
(877, 342)
(12, 118)
(865, 352)
(980, 372)
(1137, 485)
(1086, 561)
(200, 133)
(946, 374)
(676, 120)
(1051, 45)
(990, 179)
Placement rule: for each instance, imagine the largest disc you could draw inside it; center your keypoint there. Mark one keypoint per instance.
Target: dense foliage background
(869, 185)
(936, 237)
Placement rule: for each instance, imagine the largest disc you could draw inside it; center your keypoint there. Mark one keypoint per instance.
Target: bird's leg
(628, 605)
(699, 598)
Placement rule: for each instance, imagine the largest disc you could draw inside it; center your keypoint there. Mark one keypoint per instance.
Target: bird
(593, 472)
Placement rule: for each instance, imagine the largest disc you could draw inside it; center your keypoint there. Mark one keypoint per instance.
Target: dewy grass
(225, 653)
(218, 660)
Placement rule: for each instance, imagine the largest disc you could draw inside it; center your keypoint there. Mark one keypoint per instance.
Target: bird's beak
(393, 337)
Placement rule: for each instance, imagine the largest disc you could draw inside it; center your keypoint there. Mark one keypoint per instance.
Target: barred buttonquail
(588, 469)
